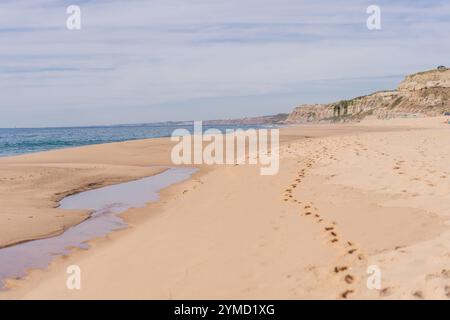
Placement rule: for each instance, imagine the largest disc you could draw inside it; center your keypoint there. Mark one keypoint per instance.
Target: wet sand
(105, 204)
(346, 197)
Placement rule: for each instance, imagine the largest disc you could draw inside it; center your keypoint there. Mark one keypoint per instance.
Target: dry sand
(346, 197)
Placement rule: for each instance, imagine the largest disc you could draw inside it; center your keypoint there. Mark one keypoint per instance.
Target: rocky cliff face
(421, 94)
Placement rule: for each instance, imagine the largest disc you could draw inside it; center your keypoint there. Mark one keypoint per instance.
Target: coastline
(111, 170)
(276, 215)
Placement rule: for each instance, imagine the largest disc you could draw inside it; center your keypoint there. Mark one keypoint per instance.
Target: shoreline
(40, 180)
(129, 217)
(82, 188)
(106, 205)
(33, 159)
(136, 217)
(157, 135)
(93, 186)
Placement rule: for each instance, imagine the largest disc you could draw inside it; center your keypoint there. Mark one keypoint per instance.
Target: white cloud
(144, 53)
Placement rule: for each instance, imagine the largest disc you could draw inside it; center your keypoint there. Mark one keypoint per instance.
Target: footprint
(338, 269)
(385, 292)
(447, 291)
(445, 273)
(349, 279)
(346, 293)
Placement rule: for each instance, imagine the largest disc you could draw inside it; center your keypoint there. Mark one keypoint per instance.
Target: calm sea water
(26, 140)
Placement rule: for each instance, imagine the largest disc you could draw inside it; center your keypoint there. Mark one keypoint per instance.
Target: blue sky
(155, 60)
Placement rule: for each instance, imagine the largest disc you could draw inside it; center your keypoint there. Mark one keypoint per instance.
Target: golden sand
(346, 197)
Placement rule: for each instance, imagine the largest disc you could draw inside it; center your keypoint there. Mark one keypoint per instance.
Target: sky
(136, 61)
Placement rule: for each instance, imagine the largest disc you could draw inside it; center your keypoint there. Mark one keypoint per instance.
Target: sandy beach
(347, 197)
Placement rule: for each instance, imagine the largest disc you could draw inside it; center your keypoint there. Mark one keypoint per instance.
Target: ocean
(17, 141)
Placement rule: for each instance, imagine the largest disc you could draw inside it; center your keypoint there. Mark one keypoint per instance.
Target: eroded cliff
(421, 94)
